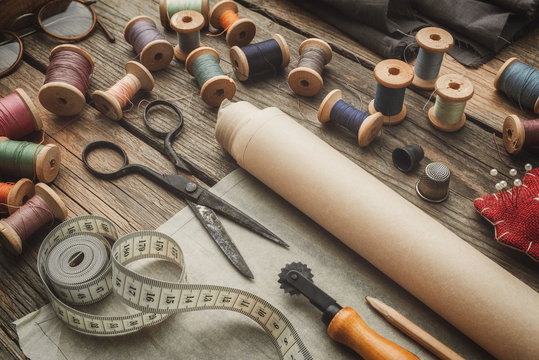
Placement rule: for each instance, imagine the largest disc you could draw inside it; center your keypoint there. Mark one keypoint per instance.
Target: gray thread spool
(306, 79)
(433, 186)
(187, 24)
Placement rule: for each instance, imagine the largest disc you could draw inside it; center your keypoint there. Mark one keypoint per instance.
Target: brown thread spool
(19, 194)
(517, 135)
(368, 130)
(392, 75)
(453, 89)
(165, 14)
(186, 23)
(307, 81)
(110, 103)
(156, 54)
(62, 98)
(10, 239)
(216, 89)
(238, 33)
(432, 40)
(47, 162)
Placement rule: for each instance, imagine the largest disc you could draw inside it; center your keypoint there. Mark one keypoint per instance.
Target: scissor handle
(119, 172)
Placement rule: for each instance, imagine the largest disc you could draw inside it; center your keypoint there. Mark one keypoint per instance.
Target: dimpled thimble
(433, 185)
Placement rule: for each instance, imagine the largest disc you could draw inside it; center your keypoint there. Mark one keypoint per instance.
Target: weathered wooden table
(133, 203)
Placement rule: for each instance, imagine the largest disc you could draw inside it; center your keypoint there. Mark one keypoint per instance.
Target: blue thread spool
(453, 91)
(306, 79)
(520, 83)
(393, 76)
(214, 85)
(187, 24)
(261, 59)
(335, 110)
(239, 32)
(433, 44)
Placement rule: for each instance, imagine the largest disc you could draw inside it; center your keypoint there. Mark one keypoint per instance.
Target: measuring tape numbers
(79, 267)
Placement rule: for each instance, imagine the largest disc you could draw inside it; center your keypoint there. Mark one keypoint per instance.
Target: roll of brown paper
(484, 301)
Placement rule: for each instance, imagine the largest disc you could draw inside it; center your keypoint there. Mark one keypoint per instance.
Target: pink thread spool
(18, 115)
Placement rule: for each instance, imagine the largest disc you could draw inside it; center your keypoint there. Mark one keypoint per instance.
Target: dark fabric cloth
(387, 27)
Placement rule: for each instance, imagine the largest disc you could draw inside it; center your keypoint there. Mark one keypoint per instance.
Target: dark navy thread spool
(433, 44)
(334, 109)
(408, 157)
(520, 83)
(453, 91)
(393, 76)
(260, 60)
(154, 51)
(187, 24)
(306, 79)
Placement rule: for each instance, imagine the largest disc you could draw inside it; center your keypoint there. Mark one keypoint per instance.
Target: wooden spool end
(218, 9)
(369, 129)
(305, 81)
(107, 104)
(514, 134)
(241, 33)
(9, 239)
(423, 84)
(48, 163)
(19, 194)
(454, 88)
(31, 108)
(389, 120)
(502, 70)
(434, 40)
(284, 49)
(186, 22)
(163, 13)
(143, 75)
(394, 74)
(239, 63)
(324, 110)
(52, 199)
(156, 55)
(61, 98)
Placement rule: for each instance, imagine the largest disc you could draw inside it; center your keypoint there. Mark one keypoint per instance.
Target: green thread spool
(453, 91)
(215, 86)
(20, 159)
(167, 8)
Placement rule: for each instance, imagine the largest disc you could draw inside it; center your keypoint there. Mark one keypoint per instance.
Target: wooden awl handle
(349, 329)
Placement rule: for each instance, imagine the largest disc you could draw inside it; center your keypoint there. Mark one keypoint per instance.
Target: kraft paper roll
(477, 296)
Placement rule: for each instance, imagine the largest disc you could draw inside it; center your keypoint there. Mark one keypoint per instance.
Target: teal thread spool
(520, 83)
(453, 91)
(215, 86)
(20, 159)
(393, 76)
(167, 8)
(433, 44)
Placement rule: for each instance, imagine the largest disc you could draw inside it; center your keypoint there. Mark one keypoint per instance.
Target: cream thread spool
(165, 14)
(155, 55)
(187, 25)
(434, 43)
(393, 76)
(19, 194)
(368, 130)
(214, 90)
(307, 81)
(239, 33)
(111, 103)
(448, 112)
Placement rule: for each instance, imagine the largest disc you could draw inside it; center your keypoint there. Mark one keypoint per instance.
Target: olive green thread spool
(167, 9)
(453, 91)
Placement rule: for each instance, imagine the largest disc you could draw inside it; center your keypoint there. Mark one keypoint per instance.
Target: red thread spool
(67, 80)
(519, 134)
(40, 210)
(18, 115)
(13, 196)
(239, 32)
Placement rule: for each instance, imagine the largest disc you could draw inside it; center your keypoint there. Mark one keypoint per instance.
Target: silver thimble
(433, 186)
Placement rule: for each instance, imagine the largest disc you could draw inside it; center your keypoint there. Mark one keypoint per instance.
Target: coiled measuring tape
(78, 267)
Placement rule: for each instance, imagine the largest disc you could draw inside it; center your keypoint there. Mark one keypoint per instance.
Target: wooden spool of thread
(150, 45)
(18, 115)
(393, 76)
(306, 79)
(453, 91)
(23, 159)
(167, 9)
(215, 86)
(67, 80)
(39, 211)
(334, 109)
(224, 16)
(433, 44)
(520, 83)
(12, 196)
(260, 60)
(187, 25)
(111, 101)
(519, 134)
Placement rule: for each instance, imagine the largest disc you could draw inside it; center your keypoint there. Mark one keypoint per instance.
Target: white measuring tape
(78, 267)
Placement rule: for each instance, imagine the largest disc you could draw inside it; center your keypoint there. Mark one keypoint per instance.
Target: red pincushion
(516, 222)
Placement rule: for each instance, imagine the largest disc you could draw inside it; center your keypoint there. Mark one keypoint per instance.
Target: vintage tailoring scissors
(202, 202)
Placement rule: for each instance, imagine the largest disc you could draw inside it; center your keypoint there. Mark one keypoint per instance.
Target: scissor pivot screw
(190, 187)
(294, 276)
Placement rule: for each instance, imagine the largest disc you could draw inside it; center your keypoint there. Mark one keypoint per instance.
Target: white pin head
(493, 172)
(528, 167)
(513, 172)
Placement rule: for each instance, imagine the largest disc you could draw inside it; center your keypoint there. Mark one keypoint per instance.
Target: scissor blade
(216, 203)
(218, 233)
